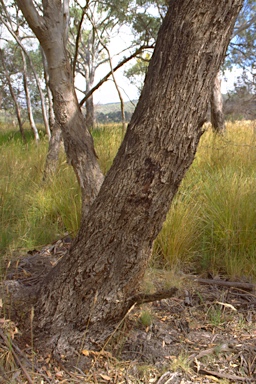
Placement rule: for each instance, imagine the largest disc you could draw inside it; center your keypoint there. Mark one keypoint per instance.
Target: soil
(206, 333)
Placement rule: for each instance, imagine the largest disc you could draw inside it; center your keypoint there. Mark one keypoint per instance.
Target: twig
(231, 284)
(223, 375)
(16, 357)
(217, 349)
(149, 298)
(28, 362)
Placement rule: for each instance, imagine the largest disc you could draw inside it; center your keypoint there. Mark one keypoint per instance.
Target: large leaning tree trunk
(51, 31)
(217, 114)
(84, 297)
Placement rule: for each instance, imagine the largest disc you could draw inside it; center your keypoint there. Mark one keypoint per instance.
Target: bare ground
(205, 334)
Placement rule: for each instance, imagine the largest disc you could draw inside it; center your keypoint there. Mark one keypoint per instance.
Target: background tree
(51, 31)
(241, 102)
(85, 296)
(93, 28)
(15, 27)
(10, 64)
(241, 52)
(87, 49)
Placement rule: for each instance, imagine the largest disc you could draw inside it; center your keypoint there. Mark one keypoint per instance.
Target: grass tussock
(33, 213)
(212, 222)
(211, 226)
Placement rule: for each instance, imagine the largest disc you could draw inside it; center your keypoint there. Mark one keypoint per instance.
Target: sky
(108, 94)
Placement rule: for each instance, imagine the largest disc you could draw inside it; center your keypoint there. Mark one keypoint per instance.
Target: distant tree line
(112, 117)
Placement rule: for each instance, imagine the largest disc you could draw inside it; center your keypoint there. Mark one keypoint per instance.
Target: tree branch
(35, 21)
(119, 65)
(142, 298)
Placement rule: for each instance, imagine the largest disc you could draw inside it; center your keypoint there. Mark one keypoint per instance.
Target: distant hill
(111, 112)
(115, 107)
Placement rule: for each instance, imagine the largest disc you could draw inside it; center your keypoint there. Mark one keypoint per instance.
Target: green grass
(32, 213)
(107, 140)
(211, 226)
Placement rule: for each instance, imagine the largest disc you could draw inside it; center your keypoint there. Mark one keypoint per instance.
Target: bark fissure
(108, 259)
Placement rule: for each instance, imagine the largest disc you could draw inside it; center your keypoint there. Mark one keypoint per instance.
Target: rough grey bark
(85, 296)
(217, 114)
(50, 30)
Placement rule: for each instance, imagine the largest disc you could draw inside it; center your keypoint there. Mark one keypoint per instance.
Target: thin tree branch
(36, 22)
(105, 78)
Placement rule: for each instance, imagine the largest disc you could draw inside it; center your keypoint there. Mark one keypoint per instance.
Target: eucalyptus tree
(28, 98)
(93, 26)
(11, 20)
(11, 80)
(86, 295)
(49, 22)
(88, 29)
(242, 47)
(241, 52)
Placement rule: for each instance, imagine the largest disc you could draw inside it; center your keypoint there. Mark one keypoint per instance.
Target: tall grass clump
(228, 218)
(212, 223)
(33, 213)
(211, 226)
(177, 242)
(107, 139)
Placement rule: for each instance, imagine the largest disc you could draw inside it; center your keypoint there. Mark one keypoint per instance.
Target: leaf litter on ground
(206, 333)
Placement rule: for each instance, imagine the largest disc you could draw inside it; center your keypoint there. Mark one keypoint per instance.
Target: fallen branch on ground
(142, 298)
(233, 378)
(223, 283)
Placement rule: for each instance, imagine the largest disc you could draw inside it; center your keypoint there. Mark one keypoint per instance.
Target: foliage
(241, 50)
(241, 102)
(134, 73)
(115, 117)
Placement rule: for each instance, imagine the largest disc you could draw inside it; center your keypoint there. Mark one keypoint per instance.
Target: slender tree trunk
(51, 117)
(89, 118)
(15, 35)
(85, 296)
(52, 157)
(55, 138)
(17, 109)
(90, 76)
(15, 101)
(28, 99)
(217, 114)
(51, 32)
